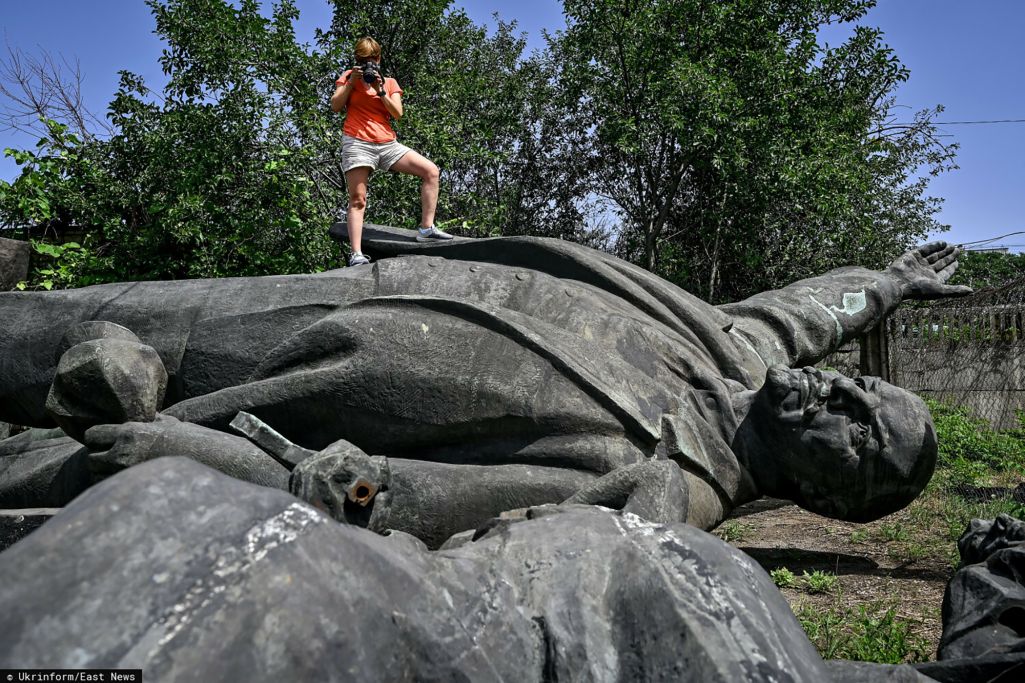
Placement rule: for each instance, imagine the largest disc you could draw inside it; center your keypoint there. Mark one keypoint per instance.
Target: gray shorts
(379, 156)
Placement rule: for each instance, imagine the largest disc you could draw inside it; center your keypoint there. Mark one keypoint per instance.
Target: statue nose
(847, 389)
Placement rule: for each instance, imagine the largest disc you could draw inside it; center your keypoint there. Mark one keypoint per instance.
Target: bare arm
(340, 100)
(393, 103)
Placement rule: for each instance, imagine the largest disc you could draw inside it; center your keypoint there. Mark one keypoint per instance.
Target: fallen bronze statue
(536, 431)
(452, 382)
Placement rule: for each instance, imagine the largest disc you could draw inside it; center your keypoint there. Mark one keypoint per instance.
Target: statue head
(853, 449)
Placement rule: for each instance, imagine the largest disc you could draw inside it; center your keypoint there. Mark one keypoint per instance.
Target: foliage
(783, 577)
(986, 269)
(868, 633)
(61, 267)
(958, 512)
(213, 171)
(717, 143)
(234, 168)
(732, 531)
(893, 532)
(859, 536)
(950, 331)
(48, 193)
(977, 469)
(204, 180)
(738, 152)
(819, 581)
(969, 449)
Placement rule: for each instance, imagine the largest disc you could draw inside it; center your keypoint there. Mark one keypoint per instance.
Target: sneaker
(358, 259)
(430, 234)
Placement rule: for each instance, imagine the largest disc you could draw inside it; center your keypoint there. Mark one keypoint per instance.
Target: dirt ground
(874, 563)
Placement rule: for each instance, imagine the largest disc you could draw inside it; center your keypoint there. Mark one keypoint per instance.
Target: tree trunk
(714, 277)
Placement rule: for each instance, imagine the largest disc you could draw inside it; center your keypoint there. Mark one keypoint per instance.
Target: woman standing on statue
(369, 144)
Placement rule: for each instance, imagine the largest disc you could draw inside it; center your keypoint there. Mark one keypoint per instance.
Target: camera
(371, 72)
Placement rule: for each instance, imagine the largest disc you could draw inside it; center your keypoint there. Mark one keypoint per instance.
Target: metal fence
(967, 352)
(970, 357)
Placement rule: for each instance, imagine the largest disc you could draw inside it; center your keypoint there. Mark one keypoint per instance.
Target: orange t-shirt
(365, 116)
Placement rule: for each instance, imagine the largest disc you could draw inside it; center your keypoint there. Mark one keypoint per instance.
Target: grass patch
(783, 578)
(970, 451)
(819, 581)
(866, 633)
(894, 532)
(733, 531)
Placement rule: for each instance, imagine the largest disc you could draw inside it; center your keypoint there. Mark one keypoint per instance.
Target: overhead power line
(993, 239)
(965, 123)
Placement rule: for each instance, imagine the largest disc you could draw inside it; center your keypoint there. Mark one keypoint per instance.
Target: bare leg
(356, 181)
(413, 163)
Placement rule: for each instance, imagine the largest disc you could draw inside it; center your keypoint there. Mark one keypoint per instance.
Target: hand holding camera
(370, 72)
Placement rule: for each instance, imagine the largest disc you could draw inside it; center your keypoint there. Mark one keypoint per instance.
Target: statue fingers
(942, 254)
(957, 290)
(927, 250)
(952, 290)
(948, 270)
(942, 265)
(938, 290)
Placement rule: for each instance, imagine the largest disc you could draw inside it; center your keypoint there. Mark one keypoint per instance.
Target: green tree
(718, 142)
(204, 179)
(986, 269)
(737, 151)
(53, 197)
(212, 179)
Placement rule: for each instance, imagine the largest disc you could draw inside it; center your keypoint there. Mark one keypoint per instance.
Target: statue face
(828, 412)
(848, 448)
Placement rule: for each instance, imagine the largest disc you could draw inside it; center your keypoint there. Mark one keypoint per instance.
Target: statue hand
(923, 272)
(115, 447)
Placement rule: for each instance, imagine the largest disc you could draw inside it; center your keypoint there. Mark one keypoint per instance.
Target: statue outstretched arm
(803, 322)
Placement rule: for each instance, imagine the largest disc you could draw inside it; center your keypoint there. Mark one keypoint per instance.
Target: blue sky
(968, 55)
